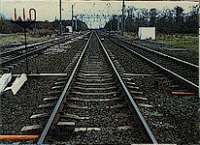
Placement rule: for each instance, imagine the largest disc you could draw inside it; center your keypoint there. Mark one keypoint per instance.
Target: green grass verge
(180, 41)
(190, 42)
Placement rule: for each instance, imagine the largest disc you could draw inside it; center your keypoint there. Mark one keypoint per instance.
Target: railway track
(178, 53)
(19, 53)
(180, 70)
(91, 106)
(172, 101)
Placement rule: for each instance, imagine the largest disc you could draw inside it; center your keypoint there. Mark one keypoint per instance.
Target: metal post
(35, 27)
(26, 49)
(72, 18)
(15, 14)
(111, 23)
(76, 23)
(123, 18)
(118, 23)
(199, 47)
(60, 6)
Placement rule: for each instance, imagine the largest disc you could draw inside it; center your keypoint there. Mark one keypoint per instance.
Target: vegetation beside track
(180, 41)
(18, 39)
(187, 41)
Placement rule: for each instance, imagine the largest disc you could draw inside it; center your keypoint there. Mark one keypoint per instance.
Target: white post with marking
(17, 84)
(4, 80)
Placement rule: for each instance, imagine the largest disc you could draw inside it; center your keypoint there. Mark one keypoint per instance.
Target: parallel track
(11, 56)
(94, 106)
(182, 71)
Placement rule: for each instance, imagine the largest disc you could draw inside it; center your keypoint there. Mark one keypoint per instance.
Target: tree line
(168, 21)
(8, 26)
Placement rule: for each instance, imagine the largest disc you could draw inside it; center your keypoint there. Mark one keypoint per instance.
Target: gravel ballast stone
(179, 115)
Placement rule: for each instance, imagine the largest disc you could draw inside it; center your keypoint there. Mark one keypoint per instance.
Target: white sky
(49, 9)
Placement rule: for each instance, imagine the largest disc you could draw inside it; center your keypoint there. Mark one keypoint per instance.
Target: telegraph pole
(60, 6)
(123, 17)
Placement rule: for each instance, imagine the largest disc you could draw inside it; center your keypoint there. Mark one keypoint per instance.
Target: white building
(145, 33)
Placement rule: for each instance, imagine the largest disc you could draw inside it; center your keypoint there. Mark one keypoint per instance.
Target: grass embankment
(18, 39)
(190, 42)
(180, 41)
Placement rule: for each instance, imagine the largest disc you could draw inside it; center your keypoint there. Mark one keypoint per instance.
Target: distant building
(145, 33)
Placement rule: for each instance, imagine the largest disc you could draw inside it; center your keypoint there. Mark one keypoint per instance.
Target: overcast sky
(49, 9)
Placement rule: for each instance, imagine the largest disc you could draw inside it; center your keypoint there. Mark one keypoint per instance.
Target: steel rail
(139, 114)
(179, 77)
(62, 96)
(160, 53)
